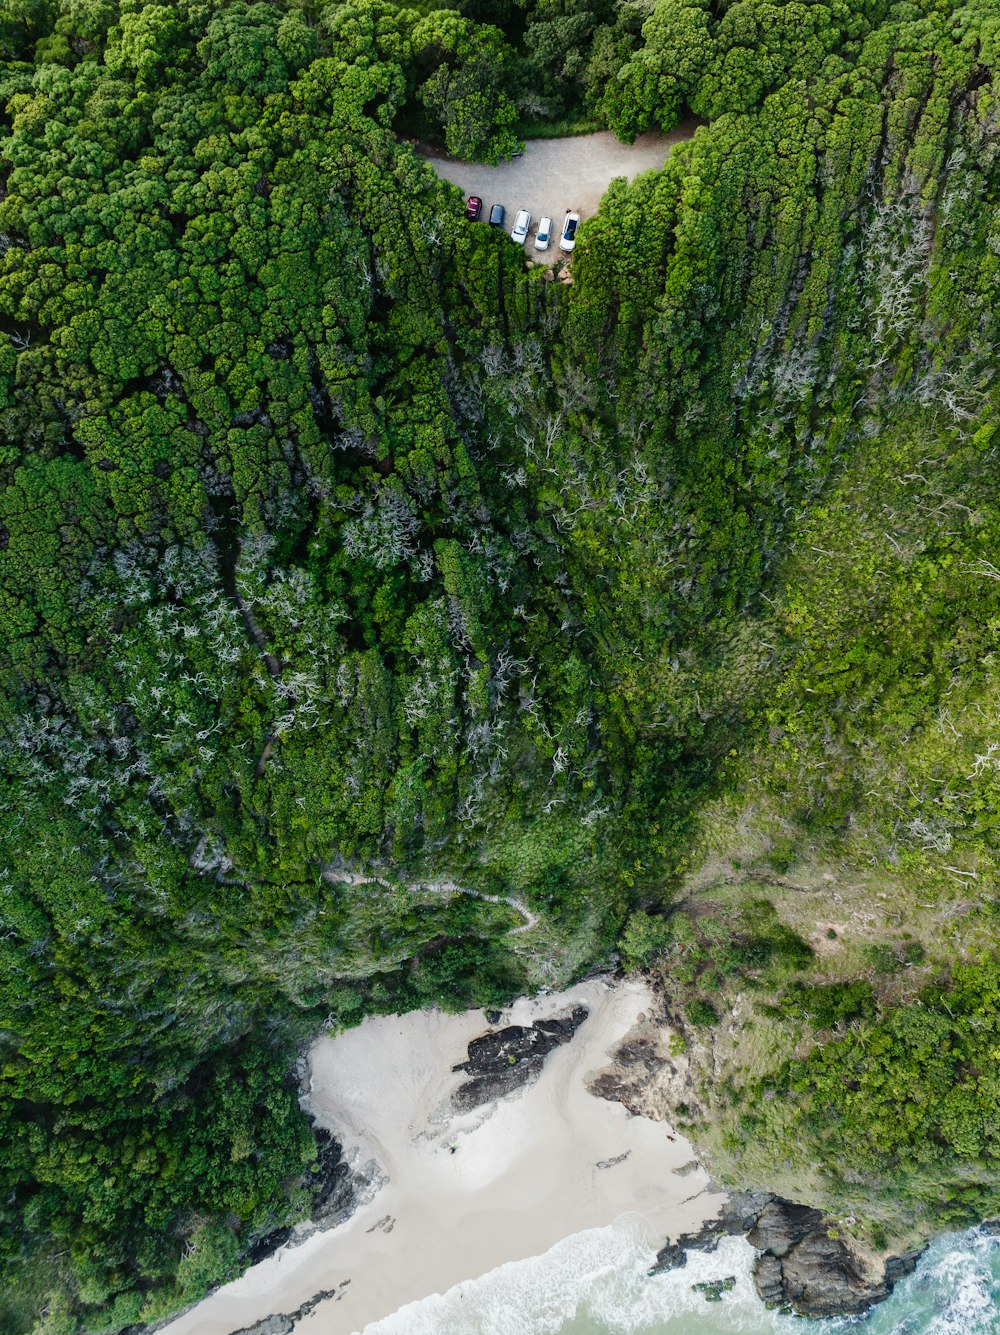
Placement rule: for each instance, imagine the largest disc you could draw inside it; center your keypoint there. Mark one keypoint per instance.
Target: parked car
(473, 208)
(570, 223)
(496, 215)
(522, 222)
(544, 234)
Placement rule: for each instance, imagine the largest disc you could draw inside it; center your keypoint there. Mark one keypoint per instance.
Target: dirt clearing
(556, 175)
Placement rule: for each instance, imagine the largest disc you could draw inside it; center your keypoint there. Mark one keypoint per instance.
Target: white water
(595, 1283)
(467, 1192)
(463, 1193)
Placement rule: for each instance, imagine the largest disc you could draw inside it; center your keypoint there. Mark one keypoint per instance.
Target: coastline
(465, 1192)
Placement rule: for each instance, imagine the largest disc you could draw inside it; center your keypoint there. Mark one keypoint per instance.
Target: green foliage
(651, 88)
(644, 936)
(831, 1004)
(904, 1105)
(347, 568)
(471, 64)
(701, 1013)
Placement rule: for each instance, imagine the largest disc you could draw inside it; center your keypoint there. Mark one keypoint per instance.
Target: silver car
(522, 222)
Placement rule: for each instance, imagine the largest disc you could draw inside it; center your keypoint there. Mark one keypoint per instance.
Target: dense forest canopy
(344, 559)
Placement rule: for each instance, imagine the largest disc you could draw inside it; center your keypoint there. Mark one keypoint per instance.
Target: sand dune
(464, 1193)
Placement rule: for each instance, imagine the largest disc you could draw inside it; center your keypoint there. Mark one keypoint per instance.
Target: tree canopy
(346, 559)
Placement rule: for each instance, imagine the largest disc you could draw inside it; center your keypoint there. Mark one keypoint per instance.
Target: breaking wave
(596, 1283)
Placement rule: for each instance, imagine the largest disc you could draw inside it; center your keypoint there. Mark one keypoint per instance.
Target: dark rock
(898, 1267)
(494, 1017)
(991, 1226)
(271, 1325)
(493, 1052)
(821, 1277)
(510, 1058)
(805, 1264)
(267, 1245)
(639, 1052)
(611, 1086)
(742, 1210)
(671, 1256)
(738, 1215)
(769, 1280)
(331, 1184)
(705, 1240)
(781, 1225)
(562, 1027)
(284, 1323)
(486, 1088)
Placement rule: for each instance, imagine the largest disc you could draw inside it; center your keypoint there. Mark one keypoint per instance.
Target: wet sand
(465, 1193)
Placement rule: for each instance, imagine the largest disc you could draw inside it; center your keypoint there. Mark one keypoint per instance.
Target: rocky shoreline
(804, 1263)
(335, 1195)
(803, 1266)
(284, 1323)
(337, 1188)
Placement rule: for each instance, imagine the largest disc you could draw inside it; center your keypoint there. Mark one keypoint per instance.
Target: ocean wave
(960, 1275)
(593, 1282)
(596, 1283)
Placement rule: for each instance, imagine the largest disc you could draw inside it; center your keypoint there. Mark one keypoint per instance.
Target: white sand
(523, 1175)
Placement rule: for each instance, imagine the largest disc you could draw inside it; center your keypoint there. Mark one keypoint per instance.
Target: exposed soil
(557, 175)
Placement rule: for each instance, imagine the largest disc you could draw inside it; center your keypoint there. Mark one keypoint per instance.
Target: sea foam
(594, 1282)
(597, 1283)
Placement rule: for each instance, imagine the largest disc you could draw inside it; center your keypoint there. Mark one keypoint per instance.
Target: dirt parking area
(556, 175)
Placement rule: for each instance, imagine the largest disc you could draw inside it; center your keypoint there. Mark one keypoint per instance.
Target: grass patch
(563, 128)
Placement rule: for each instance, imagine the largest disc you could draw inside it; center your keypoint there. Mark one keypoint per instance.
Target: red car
(473, 208)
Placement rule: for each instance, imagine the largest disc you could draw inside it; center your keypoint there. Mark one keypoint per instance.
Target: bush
(883, 958)
(701, 1013)
(830, 1004)
(643, 938)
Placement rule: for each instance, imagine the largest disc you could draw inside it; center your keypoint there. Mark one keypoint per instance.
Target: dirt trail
(555, 175)
(443, 888)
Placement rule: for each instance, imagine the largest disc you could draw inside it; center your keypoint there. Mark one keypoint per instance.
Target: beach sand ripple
(466, 1191)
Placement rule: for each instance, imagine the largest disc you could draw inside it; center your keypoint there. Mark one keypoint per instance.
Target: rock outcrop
(335, 1191)
(335, 1196)
(284, 1323)
(738, 1215)
(509, 1058)
(803, 1262)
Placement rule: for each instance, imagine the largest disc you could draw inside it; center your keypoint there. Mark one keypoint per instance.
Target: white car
(568, 239)
(544, 234)
(521, 224)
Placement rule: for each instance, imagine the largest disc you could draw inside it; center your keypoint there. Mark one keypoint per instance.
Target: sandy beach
(464, 1193)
